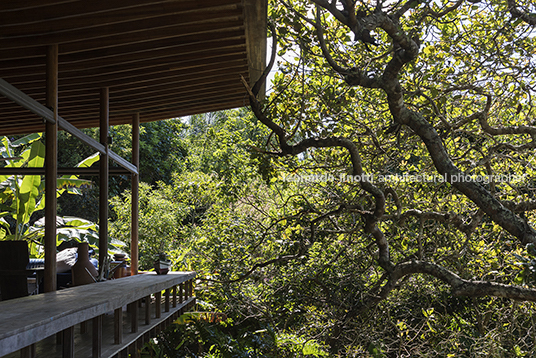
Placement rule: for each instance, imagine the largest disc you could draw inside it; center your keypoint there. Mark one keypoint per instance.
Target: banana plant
(21, 196)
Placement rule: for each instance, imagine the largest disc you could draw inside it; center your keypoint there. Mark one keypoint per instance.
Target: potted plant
(162, 264)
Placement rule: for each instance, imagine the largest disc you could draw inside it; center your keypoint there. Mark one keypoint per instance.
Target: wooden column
(97, 336)
(167, 301)
(133, 316)
(51, 169)
(68, 342)
(135, 195)
(104, 171)
(28, 352)
(118, 325)
(158, 304)
(148, 310)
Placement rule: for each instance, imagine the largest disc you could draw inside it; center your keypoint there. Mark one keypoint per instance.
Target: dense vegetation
(379, 202)
(438, 97)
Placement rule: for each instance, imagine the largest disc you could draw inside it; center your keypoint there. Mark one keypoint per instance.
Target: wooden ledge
(27, 320)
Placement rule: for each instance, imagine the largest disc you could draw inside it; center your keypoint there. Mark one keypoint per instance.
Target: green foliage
(299, 256)
(22, 196)
(22, 199)
(199, 336)
(159, 223)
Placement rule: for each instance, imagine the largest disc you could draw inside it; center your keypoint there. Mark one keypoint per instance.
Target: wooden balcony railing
(106, 319)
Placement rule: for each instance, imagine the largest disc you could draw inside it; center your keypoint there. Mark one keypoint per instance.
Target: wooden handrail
(25, 321)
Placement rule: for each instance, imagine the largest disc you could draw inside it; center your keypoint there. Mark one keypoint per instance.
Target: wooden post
(134, 317)
(158, 304)
(181, 292)
(28, 352)
(97, 336)
(148, 310)
(174, 296)
(118, 325)
(51, 169)
(104, 170)
(166, 302)
(83, 327)
(68, 343)
(135, 195)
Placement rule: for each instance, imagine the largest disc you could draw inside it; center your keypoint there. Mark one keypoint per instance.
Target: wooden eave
(159, 58)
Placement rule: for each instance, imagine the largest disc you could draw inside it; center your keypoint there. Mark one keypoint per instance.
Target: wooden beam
(180, 33)
(73, 18)
(27, 102)
(103, 180)
(130, 74)
(118, 53)
(62, 171)
(50, 116)
(132, 53)
(256, 14)
(51, 166)
(171, 91)
(204, 73)
(123, 162)
(129, 32)
(134, 226)
(86, 121)
(170, 98)
(18, 5)
(68, 127)
(106, 67)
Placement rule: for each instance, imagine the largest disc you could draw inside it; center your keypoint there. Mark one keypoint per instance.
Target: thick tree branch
(474, 191)
(450, 218)
(528, 18)
(460, 287)
(332, 8)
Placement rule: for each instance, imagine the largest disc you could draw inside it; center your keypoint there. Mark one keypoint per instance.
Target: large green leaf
(30, 138)
(29, 188)
(86, 163)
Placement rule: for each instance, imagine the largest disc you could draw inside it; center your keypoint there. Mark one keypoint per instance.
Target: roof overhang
(159, 58)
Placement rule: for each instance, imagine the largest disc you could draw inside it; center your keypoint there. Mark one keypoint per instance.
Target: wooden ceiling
(161, 59)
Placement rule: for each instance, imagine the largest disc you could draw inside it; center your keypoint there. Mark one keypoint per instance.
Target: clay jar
(83, 270)
(120, 266)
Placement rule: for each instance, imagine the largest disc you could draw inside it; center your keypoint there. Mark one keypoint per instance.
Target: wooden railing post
(68, 342)
(166, 302)
(133, 316)
(118, 325)
(97, 336)
(28, 352)
(158, 304)
(148, 310)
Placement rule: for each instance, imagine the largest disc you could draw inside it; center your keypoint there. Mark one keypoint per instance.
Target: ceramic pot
(119, 265)
(83, 270)
(161, 266)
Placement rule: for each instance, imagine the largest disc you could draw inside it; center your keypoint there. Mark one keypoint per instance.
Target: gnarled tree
(438, 98)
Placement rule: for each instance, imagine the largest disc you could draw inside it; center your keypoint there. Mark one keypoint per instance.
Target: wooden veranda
(73, 64)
